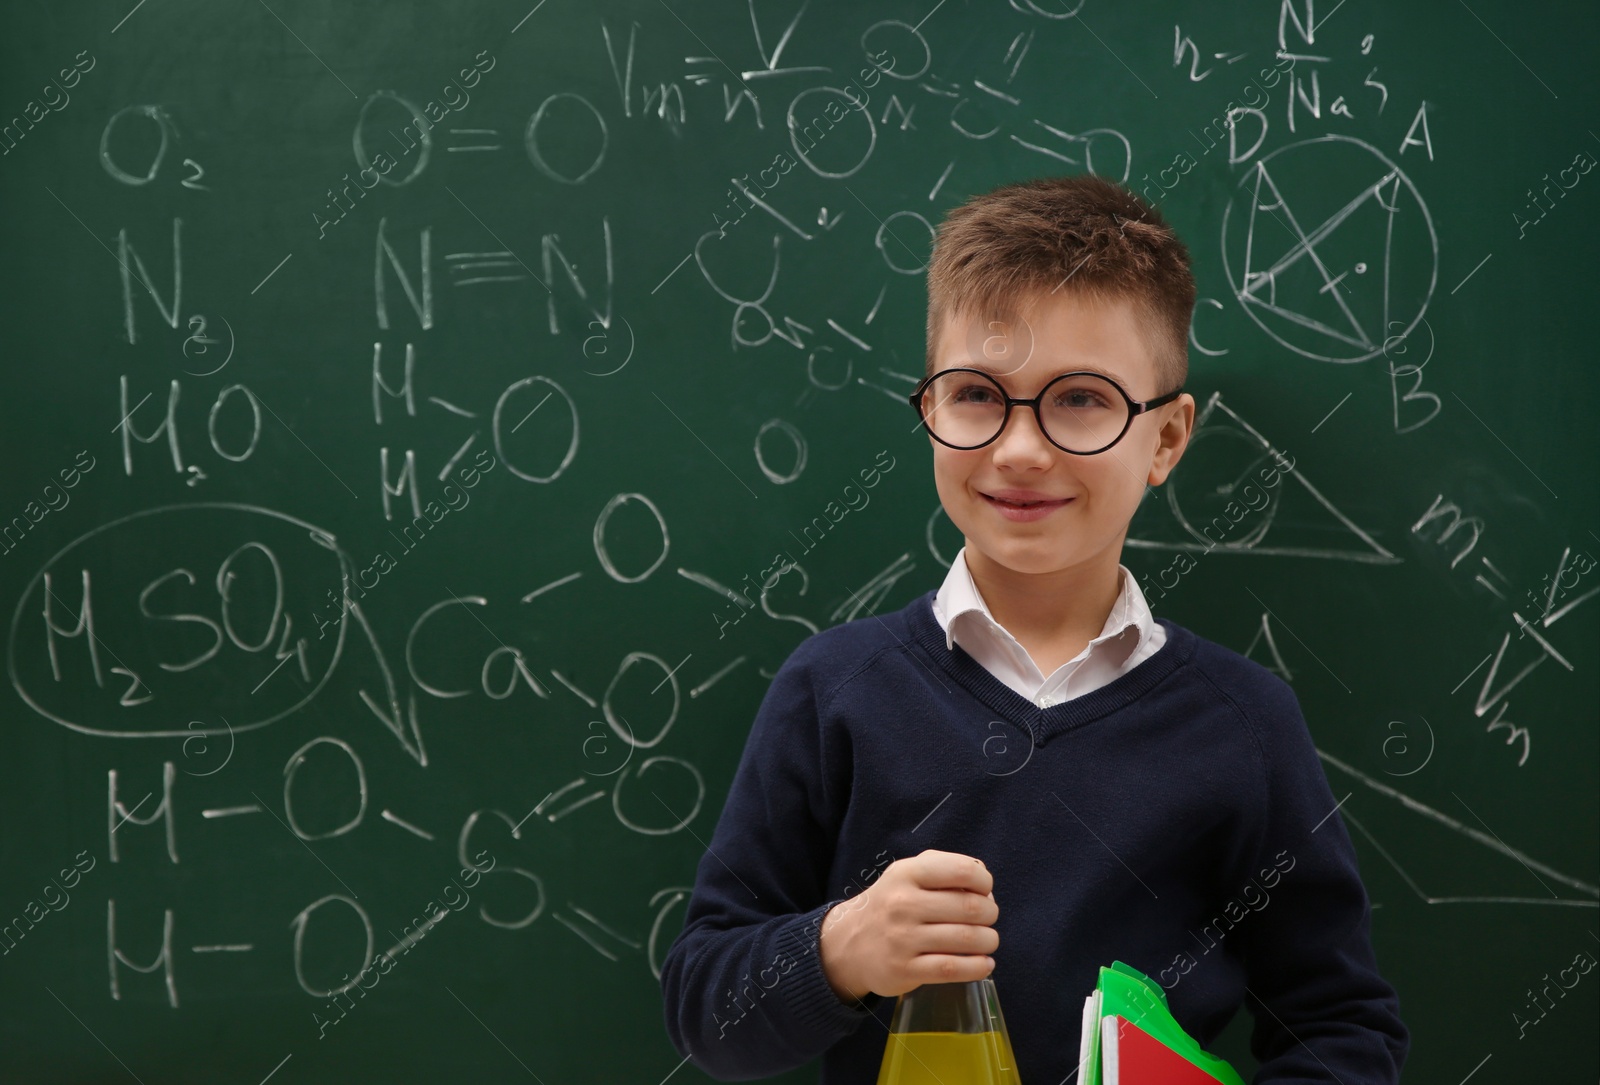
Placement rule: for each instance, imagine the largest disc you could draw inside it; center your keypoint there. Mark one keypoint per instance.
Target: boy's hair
(1082, 234)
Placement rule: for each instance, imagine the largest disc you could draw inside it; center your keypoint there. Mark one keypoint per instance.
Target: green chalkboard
(548, 328)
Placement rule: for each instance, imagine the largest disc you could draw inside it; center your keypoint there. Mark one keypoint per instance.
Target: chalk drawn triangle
(1261, 286)
(1531, 868)
(1255, 533)
(1275, 663)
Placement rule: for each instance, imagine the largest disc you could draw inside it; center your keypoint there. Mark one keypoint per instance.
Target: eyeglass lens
(1082, 413)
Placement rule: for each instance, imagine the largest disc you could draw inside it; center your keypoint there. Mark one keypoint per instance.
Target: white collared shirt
(1130, 636)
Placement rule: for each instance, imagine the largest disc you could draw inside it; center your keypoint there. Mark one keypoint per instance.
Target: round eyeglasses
(1081, 413)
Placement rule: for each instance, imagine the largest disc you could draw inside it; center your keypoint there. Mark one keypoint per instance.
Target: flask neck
(943, 1007)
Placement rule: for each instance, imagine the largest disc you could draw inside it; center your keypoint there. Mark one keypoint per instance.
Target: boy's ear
(1173, 438)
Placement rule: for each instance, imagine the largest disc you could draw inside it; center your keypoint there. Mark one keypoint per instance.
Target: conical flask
(949, 1034)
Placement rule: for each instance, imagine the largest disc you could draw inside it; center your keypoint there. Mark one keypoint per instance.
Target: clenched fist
(927, 919)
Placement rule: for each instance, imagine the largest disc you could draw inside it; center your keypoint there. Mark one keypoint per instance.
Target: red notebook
(1131, 1056)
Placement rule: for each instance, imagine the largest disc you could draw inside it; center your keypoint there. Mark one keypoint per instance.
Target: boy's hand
(927, 919)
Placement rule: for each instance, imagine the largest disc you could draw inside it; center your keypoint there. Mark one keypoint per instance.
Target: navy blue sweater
(1177, 819)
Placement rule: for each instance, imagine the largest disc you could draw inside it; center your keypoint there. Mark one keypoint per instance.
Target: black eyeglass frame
(1135, 407)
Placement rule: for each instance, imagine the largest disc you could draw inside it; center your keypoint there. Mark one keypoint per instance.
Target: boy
(1024, 772)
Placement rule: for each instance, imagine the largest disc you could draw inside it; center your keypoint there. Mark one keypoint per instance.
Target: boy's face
(1055, 334)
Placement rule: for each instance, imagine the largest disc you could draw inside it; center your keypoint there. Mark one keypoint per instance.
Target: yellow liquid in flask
(948, 1058)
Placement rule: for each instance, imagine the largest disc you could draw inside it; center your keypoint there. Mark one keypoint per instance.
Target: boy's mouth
(1017, 508)
(1013, 500)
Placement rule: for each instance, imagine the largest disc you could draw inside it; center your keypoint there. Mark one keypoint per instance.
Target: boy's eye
(1080, 399)
(976, 392)
(1085, 393)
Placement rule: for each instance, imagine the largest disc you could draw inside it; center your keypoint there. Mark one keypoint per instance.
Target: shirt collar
(959, 597)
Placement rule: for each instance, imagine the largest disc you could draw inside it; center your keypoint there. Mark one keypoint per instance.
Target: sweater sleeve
(743, 986)
(1322, 1010)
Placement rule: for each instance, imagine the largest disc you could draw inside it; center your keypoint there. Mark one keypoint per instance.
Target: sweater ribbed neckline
(1045, 723)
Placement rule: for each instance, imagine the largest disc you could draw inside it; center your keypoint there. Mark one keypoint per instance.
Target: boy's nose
(1023, 435)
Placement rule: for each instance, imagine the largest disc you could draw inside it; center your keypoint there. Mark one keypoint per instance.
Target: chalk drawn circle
(615, 719)
(886, 234)
(531, 141)
(422, 137)
(300, 922)
(796, 130)
(291, 769)
(683, 820)
(164, 126)
(1202, 509)
(1313, 211)
(603, 553)
(255, 423)
(927, 53)
(500, 438)
(816, 381)
(796, 438)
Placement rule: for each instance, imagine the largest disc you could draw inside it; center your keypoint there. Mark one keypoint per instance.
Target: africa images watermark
(411, 535)
(381, 965)
(33, 512)
(1582, 163)
(1183, 162)
(55, 97)
(1253, 898)
(1233, 514)
(855, 500)
(1582, 964)
(55, 898)
(418, 130)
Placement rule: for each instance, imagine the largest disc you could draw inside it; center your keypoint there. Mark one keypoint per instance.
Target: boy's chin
(1028, 557)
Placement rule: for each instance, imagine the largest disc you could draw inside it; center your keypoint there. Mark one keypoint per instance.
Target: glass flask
(949, 1034)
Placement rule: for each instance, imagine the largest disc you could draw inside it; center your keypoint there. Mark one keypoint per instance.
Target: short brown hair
(1084, 234)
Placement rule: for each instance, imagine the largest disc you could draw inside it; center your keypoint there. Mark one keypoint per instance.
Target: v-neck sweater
(1176, 819)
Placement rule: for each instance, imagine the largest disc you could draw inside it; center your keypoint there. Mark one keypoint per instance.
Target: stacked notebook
(1130, 1037)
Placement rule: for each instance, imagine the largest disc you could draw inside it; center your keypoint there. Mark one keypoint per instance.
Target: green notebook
(1127, 993)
